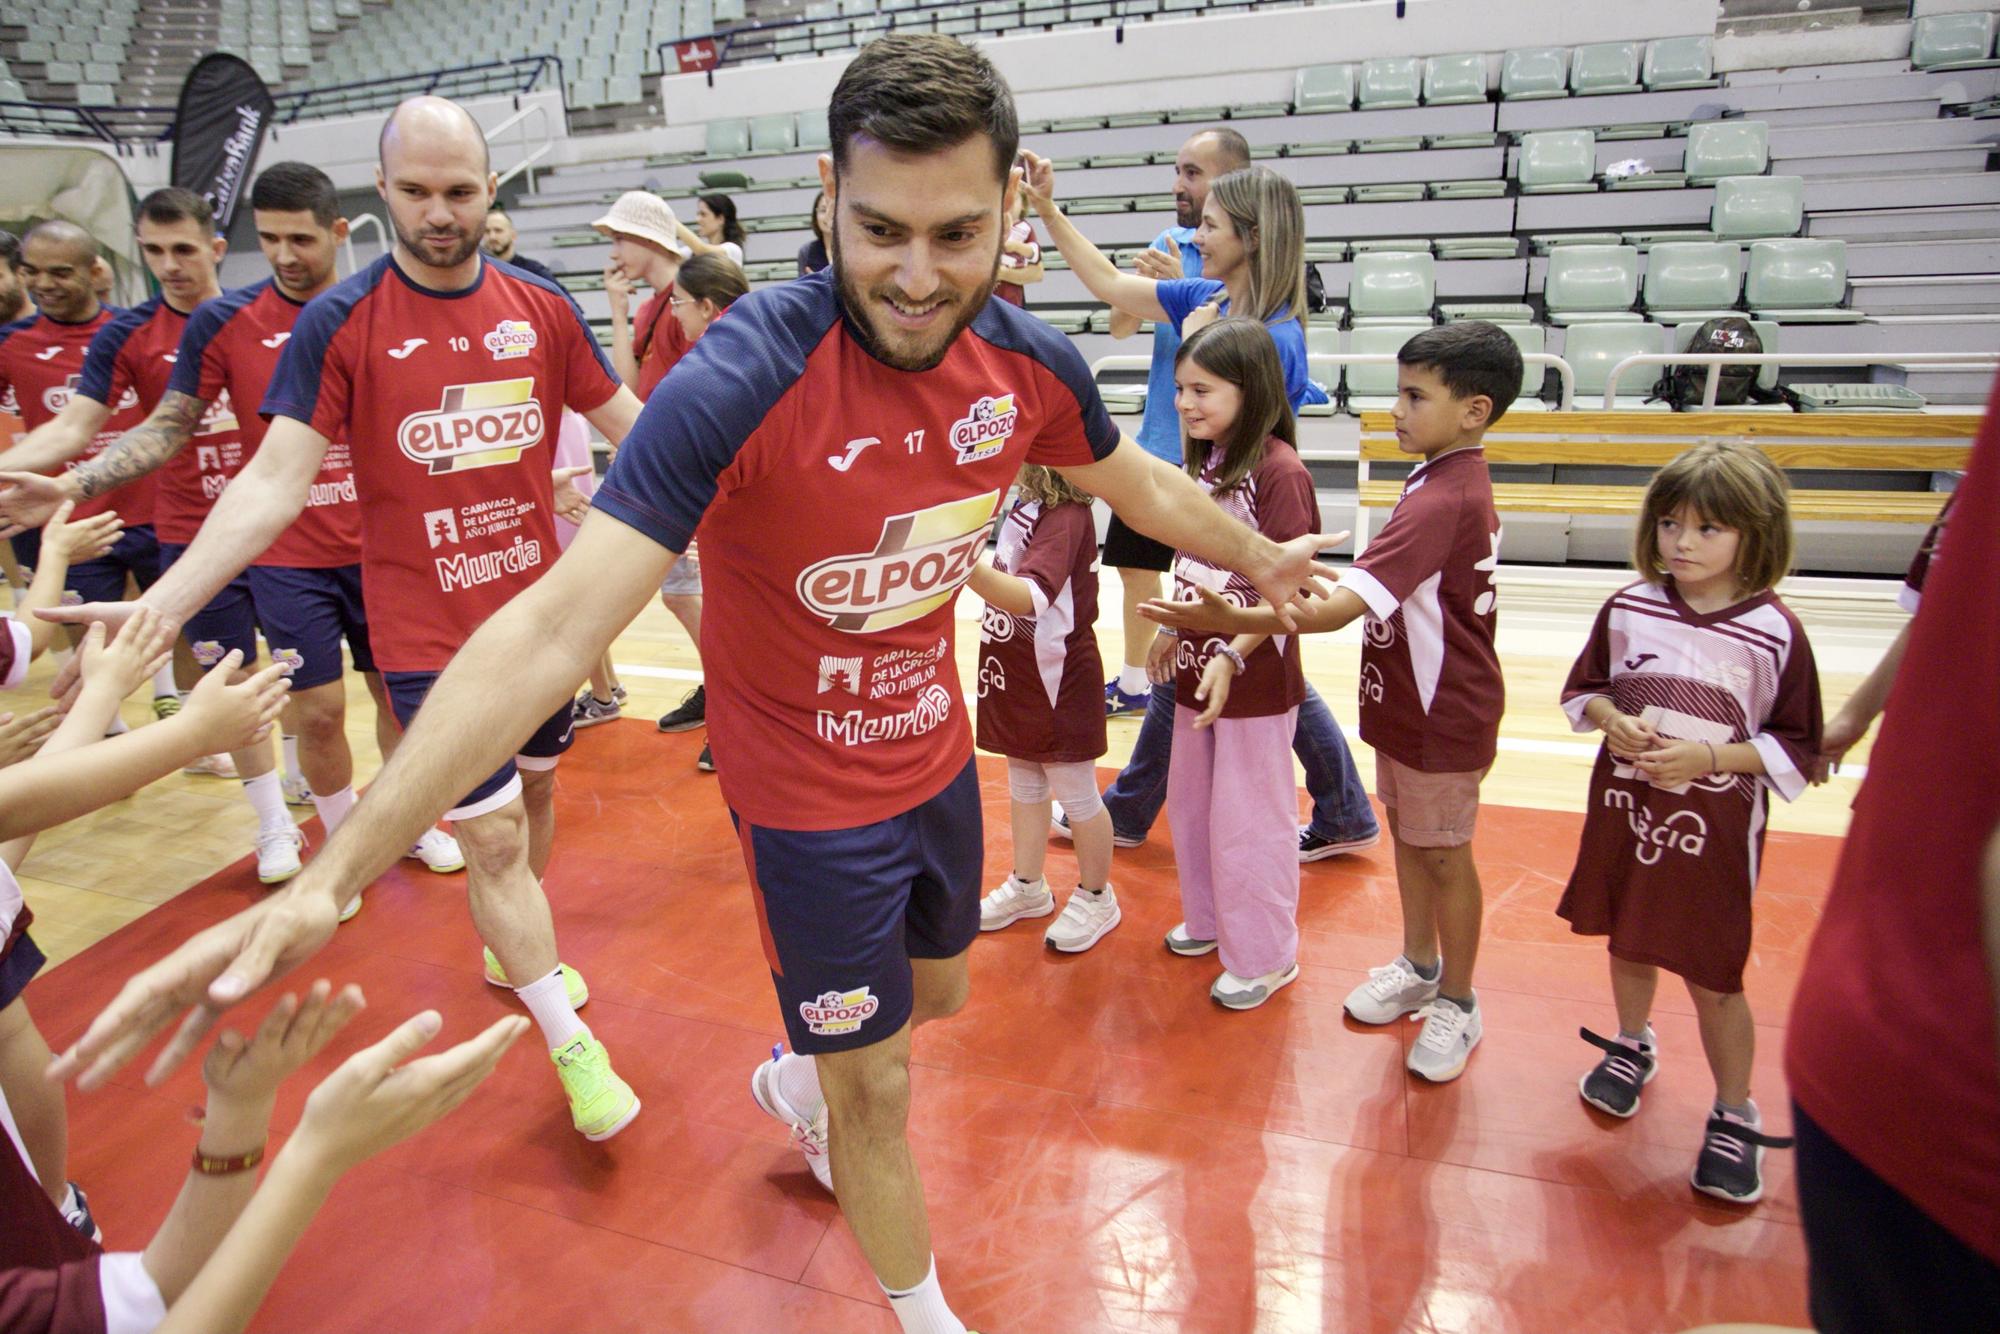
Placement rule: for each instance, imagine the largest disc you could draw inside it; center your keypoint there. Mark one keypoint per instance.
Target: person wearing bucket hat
(644, 249)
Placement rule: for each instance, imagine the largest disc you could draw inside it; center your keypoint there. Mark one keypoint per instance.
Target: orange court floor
(1102, 1147)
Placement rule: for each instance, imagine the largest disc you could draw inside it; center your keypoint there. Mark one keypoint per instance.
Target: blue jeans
(1340, 804)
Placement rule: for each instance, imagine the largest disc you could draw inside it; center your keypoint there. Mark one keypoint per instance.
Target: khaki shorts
(1430, 810)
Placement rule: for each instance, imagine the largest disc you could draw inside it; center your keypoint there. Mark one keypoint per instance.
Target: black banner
(224, 111)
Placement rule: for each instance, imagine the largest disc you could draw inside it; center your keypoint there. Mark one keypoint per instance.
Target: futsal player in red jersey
(844, 443)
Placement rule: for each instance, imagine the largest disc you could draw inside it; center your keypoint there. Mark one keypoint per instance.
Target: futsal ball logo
(984, 429)
(474, 426)
(207, 652)
(510, 339)
(839, 1012)
(918, 563)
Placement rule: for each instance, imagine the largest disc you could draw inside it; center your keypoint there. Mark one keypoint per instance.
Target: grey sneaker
(588, 710)
(1085, 920)
(1391, 992)
(1247, 993)
(1181, 943)
(1059, 828)
(1613, 1085)
(1440, 1052)
(692, 713)
(1731, 1165)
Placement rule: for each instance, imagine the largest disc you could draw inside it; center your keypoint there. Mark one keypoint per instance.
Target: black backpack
(1315, 290)
(1682, 386)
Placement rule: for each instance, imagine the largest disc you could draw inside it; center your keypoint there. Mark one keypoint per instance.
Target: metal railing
(123, 127)
(529, 157)
(355, 227)
(1321, 361)
(1715, 361)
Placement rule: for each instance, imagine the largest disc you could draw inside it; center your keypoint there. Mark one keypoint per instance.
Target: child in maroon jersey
(1703, 684)
(1232, 800)
(1041, 705)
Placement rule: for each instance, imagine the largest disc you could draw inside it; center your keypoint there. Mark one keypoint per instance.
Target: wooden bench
(1646, 441)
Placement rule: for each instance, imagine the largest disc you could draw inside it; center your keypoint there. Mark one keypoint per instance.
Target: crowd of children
(1699, 677)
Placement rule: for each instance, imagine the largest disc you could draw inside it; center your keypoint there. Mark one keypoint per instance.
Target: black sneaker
(1613, 1086)
(1314, 848)
(1059, 828)
(79, 1217)
(1732, 1158)
(705, 761)
(692, 713)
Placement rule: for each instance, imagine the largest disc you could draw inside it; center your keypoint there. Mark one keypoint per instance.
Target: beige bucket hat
(646, 216)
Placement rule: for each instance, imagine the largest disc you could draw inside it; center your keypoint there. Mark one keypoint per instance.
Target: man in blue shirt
(1138, 559)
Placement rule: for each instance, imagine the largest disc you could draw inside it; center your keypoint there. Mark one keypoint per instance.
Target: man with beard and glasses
(447, 375)
(844, 443)
(306, 587)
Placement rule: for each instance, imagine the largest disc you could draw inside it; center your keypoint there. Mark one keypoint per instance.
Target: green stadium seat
(1389, 192)
(1799, 281)
(1679, 62)
(1604, 67)
(1478, 247)
(1718, 148)
(1131, 119)
(1768, 334)
(1391, 286)
(1326, 148)
(1647, 180)
(1747, 206)
(1558, 162)
(1591, 282)
(1066, 321)
(1325, 252)
(1259, 110)
(1391, 82)
(1857, 397)
(1069, 123)
(723, 178)
(1650, 129)
(1398, 143)
(1120, 160)
(1533, 340)
(728, 138)
(773, 134)
(1480, 139)
(1079, 207)
(1646, 239)
(1940, 40)
(1323, 88)
(1153, 203)
(1324, 194)
(1373, 388)
(1592, 349)
(1531, 72)
(813, 130)
(1543, 242)
(1452, 79)
(1692, 280)
(1185, 114)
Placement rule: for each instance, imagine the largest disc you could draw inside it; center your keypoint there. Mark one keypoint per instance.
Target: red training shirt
(41, 361)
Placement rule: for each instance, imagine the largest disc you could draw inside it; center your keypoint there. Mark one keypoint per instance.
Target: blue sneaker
(1117, 703)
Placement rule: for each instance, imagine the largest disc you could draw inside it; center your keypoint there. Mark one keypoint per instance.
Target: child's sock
(334, 807)
(1132, 680)
(1746, 1113)
(267, 798)
(289, 745)
(1465, 1003)
(163, 683)
(1643, 1038)
(1428, 972)
(1027, 886)
(1094, 893)
(548, 1000)
(922, 1309)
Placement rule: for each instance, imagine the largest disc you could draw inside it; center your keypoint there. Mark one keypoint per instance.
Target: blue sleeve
(202, 327)
(1180, 297)
(1299, 386)
(100, 363)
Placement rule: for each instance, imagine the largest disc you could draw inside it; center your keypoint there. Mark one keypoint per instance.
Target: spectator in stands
(1020, 256)
(812, 255)
(1138, 559)
(647, 246)
(716, 230)
(499, 244)
(13, 297)
(708, 286)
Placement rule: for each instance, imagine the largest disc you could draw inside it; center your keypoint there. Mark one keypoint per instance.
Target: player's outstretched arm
(27, 499)
(57, 441)
(1121, 291)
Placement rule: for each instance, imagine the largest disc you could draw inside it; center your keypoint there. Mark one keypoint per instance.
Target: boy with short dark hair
(1431, 693)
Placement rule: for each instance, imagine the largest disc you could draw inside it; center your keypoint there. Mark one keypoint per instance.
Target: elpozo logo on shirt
(918, 563)
(474, 426)
(984, 429)
(510, 339)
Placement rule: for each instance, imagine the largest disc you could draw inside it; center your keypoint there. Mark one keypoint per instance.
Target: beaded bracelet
(1235, 659)
(222, 1167)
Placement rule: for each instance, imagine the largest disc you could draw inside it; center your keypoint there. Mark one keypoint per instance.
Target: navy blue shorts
(17, 967)
(305, 615)
(136, 553)
(27, 550)
(538, 753)
(229, 621)
(843, 911)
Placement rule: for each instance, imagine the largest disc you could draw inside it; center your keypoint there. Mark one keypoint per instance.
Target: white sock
(289, 746)
(548, 1000)
(798, 1084)
(1132, 679)
(267, 798)
(163, 683)
(922, 1310)
(118, 726)
(333, 809)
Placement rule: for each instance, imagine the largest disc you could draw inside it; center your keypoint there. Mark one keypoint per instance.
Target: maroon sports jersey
(136, 353)
(41, 363)
(450, 402)
(1041, 682)
(1431, 693)
(230, 351)
(1277, 500)
(1911, 593)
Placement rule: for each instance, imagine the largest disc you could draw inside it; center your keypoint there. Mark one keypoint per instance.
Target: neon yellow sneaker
(600, 1103)
(573, 983)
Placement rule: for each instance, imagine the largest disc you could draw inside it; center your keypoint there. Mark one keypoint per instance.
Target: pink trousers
(1233, 807)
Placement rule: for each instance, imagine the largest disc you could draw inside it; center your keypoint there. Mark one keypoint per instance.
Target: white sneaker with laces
(1391, 992)
(1012, 900)
(1085, 920)
(278, 854)
(297, 793)
(438, 851)
(808, 1133)
(1442, 1049)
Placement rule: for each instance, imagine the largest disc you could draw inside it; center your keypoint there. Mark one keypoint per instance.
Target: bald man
(447, 376)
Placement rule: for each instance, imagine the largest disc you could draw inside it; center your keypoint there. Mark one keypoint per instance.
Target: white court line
(1519, 745)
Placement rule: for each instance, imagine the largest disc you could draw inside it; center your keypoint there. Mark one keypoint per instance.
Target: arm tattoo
(144, 447)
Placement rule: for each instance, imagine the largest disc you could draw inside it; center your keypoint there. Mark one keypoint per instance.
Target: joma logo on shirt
(984, 429)
(474, 426)
(917, 564)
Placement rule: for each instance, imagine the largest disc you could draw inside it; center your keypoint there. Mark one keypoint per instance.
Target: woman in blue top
(1253, 259)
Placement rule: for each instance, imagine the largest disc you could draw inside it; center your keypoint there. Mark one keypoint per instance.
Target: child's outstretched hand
(1160, 657)
(1629, 737)
(247, 1071)
(570, 503)
(141, 647)
(1210, 613)
(21, 737)
(80, 539)
(1213, 692)
(230, 717)
(1674, 763)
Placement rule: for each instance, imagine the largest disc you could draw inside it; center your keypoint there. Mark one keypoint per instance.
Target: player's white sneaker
(278, 854)
(212, 766)
(297, 793)
(809, 1134)
(438, 851)
(1085, 920)
(1012, 900)
(1442, 1049)
(1391, 991)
